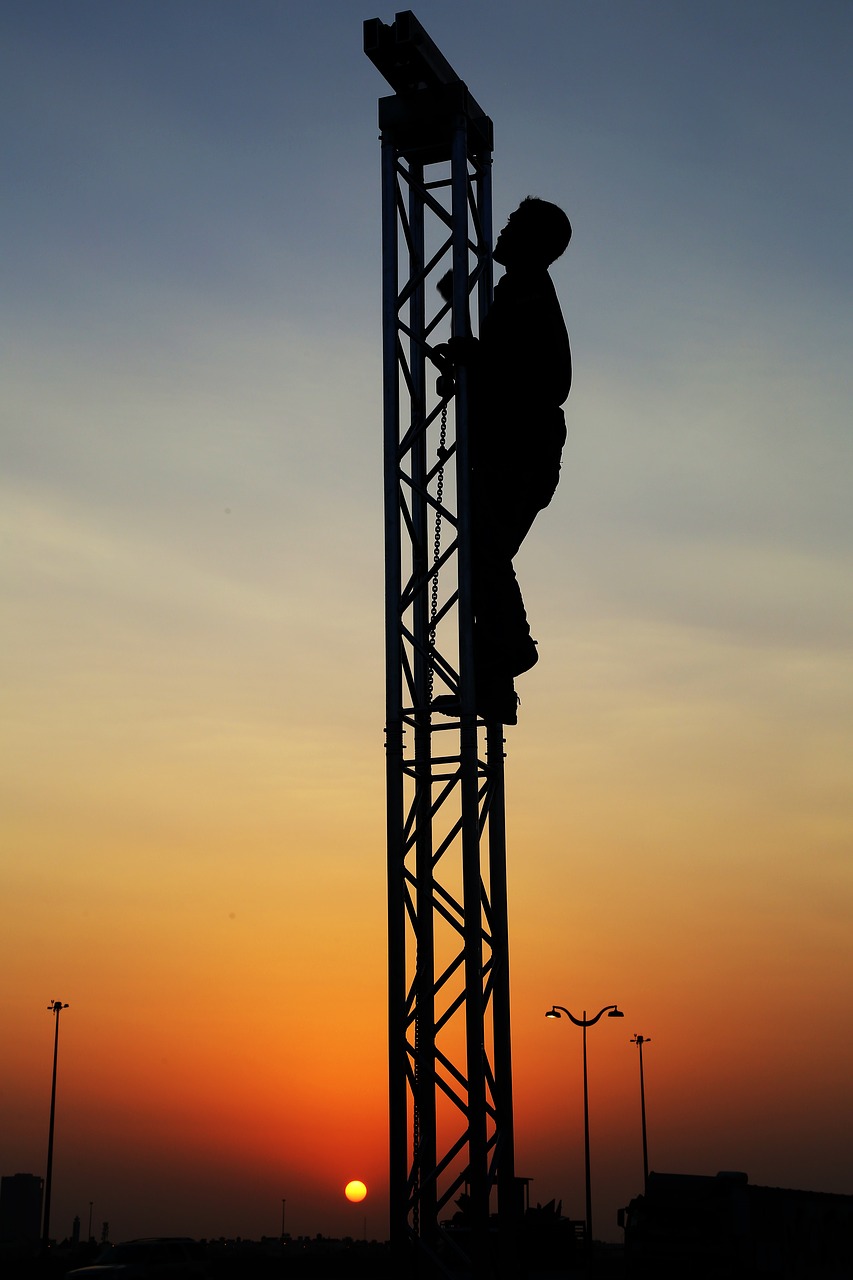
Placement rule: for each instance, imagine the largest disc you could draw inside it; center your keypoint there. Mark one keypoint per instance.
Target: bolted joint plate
(421, 125)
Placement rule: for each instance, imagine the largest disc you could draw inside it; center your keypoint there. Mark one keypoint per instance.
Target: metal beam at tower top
(405, 54)
(452, 1186)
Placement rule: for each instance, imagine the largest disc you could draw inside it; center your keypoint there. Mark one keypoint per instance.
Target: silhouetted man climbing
(520, 374)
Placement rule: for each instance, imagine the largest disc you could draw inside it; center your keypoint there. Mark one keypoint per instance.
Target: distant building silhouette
(689, 1225)
(20, 1209)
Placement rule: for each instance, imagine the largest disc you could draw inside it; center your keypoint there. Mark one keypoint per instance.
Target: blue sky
(190, 486)
(192, 188)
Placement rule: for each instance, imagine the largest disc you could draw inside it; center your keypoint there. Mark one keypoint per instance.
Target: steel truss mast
(452, 1185)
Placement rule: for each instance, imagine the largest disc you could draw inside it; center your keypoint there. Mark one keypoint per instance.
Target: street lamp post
(639, 1041)
(612, 1011)
(55, 1007)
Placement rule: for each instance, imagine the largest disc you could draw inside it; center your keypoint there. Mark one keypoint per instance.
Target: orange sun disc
(355, 1191)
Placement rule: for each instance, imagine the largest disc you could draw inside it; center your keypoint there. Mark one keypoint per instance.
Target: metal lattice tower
(450, 1074)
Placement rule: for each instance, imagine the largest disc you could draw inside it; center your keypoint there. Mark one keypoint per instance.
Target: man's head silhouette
(534, 236)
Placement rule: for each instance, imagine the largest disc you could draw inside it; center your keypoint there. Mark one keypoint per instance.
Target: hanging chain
(445, 388)
(436, 543)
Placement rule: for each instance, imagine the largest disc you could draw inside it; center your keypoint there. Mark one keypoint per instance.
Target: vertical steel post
(643, 1118)
(424, 1122)
(507, 1189)
(586, 1167)
(55, 1007)
(397, 1058)
(639, 1041)
(478, 1190)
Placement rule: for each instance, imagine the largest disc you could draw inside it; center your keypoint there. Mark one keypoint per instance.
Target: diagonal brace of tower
(452, 1184)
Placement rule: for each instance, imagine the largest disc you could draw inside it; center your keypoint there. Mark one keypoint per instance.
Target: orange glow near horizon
(212, 1011)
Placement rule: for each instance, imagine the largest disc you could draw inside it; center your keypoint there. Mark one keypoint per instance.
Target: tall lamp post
(639, 1041)
(612, 1011)
(55, 1007)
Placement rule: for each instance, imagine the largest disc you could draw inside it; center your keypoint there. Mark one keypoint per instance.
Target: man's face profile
(507, 244)
(518, 244)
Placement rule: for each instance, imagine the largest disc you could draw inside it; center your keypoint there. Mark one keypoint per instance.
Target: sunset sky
(192, 779)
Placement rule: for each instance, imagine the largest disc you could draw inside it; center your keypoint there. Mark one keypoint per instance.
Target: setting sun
(355, 1191)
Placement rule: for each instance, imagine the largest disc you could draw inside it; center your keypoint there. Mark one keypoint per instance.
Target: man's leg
(506, 500)
(502, 633)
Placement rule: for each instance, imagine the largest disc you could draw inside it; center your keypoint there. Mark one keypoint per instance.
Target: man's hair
(552, 227)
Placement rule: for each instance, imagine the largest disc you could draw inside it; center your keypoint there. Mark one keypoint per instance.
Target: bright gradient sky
(193, 774)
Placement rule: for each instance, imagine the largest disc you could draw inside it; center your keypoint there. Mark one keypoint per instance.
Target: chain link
(436, 547)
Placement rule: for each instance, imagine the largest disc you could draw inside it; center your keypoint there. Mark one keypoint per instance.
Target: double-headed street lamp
(55, 1007)
(639, 1041)
(612, 1011)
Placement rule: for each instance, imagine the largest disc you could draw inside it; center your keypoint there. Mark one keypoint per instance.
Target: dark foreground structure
(687, 1225)
(450, 1074)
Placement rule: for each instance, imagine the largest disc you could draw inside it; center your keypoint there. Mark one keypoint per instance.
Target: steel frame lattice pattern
(451, 1136)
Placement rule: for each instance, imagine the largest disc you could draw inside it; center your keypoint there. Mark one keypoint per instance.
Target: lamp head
(552, 1013)
(615, 1013)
